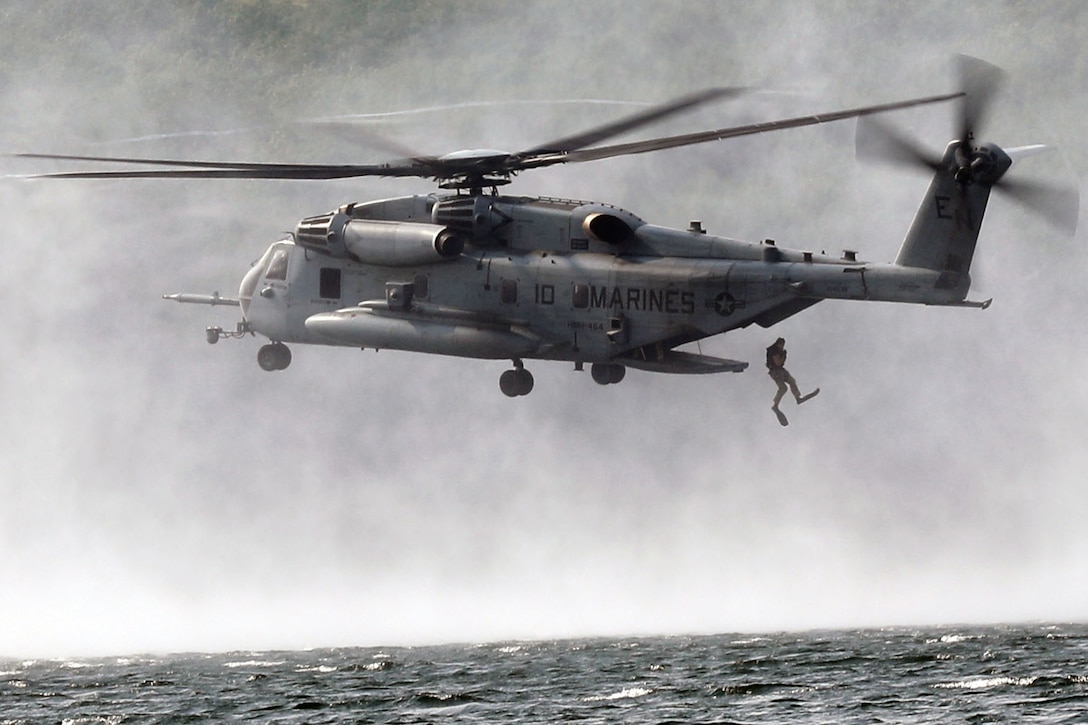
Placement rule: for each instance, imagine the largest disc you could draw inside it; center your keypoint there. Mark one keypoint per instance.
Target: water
(1013, 674)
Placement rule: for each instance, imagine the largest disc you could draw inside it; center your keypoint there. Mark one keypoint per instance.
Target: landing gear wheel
(275, 356)
(514, 383)
(525, 381)
(607, 373)
(508, 383)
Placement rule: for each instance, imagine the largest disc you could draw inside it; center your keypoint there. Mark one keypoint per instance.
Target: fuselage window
(508, 291)
(330, 283)
(580, 296)
(277, 266)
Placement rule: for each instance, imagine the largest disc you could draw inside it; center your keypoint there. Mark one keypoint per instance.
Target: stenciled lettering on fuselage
(642, 299)
(623, 299)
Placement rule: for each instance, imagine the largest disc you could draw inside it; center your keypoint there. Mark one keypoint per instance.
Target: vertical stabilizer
(946, 227)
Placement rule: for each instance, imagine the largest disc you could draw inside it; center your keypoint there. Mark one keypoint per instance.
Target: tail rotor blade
(877, 141)
(979, 80)
(1058, 205)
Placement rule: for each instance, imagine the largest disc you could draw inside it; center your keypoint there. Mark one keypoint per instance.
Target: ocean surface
(995, 674)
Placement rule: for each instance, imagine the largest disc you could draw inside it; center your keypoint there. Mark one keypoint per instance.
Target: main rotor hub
(474, 184)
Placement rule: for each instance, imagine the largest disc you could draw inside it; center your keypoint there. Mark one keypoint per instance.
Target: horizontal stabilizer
(1022, 152)
(683, 363)
(978, 305)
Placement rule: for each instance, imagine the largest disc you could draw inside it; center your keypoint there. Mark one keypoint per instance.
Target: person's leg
(793, 387)
(781, 392)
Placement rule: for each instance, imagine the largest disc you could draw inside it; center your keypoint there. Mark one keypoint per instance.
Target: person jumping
(776, 368)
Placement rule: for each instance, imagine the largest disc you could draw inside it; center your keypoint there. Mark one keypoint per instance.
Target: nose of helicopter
(247, 288)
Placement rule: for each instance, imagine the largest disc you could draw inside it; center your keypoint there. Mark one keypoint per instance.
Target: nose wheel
(516, 382)
(274, 356)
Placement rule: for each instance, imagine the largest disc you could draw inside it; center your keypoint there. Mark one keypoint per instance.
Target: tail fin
(946, 227)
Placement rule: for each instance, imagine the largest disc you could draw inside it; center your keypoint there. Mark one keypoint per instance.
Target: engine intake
(322, 233)
(607, 228)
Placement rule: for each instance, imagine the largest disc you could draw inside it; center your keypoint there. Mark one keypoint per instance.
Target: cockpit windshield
(277, 265)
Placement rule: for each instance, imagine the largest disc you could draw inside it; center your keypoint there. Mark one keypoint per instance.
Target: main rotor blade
(315, 173)
(360, 135)
(414, 166)
(669, 142)
(233, 170)
(607, 131)
(472, 167)
(141, 160)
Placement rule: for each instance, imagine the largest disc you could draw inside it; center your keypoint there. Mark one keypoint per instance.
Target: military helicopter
(470, 272)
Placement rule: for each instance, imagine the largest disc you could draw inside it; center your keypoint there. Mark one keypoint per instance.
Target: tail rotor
(973, 162)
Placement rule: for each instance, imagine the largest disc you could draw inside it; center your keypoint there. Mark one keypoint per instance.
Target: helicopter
(469, 272)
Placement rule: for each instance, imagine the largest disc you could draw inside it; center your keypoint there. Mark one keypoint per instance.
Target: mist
(161, 494)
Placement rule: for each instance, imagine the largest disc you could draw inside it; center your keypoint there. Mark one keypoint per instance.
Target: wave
(985, 683)
(254, 663)
(1039, 681)
(378, 666)
(751, 688)
(624, 694)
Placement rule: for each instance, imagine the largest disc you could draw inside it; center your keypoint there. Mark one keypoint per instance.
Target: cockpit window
(277, 266)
